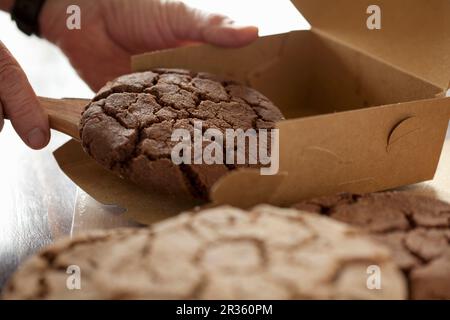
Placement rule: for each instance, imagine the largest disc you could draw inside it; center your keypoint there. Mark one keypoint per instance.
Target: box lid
(414, 34)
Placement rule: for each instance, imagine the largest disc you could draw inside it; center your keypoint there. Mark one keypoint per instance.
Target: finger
(196, 25)
(20, 104)
(230, 35)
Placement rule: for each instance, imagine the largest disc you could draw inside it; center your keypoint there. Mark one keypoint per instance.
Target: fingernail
(37, 138)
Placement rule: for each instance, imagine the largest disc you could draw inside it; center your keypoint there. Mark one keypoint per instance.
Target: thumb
(226, 33)
(20, 104)
(191, 24)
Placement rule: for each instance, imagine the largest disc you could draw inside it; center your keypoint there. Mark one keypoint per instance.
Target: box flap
(238, 64)
(108, 189)
(360, 151)
(414, 34)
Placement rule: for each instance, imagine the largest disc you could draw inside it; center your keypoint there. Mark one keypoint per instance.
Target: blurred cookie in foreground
(416, 228)
(220, 253)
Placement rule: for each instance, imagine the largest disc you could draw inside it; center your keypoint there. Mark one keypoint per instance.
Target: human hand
(19, 103)
(113, 30)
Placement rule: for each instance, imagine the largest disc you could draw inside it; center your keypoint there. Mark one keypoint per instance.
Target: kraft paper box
(366, 109)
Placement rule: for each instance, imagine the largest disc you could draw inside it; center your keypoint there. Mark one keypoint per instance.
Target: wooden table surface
(36, 199)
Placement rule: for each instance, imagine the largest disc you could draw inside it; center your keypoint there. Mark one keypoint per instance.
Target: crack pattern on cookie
(416, 228)
(128, 126)
(221, 253)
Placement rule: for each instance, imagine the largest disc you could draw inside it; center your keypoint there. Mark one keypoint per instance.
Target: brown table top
(36, 199)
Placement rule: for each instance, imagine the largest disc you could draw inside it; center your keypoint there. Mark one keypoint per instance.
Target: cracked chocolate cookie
(221, 253)
(128, 126)
(416, 228)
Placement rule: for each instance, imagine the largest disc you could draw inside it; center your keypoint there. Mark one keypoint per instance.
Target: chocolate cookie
(128, 126)
(416, 228)
(221, 253)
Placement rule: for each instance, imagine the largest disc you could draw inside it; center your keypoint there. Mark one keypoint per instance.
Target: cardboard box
(366, 109)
